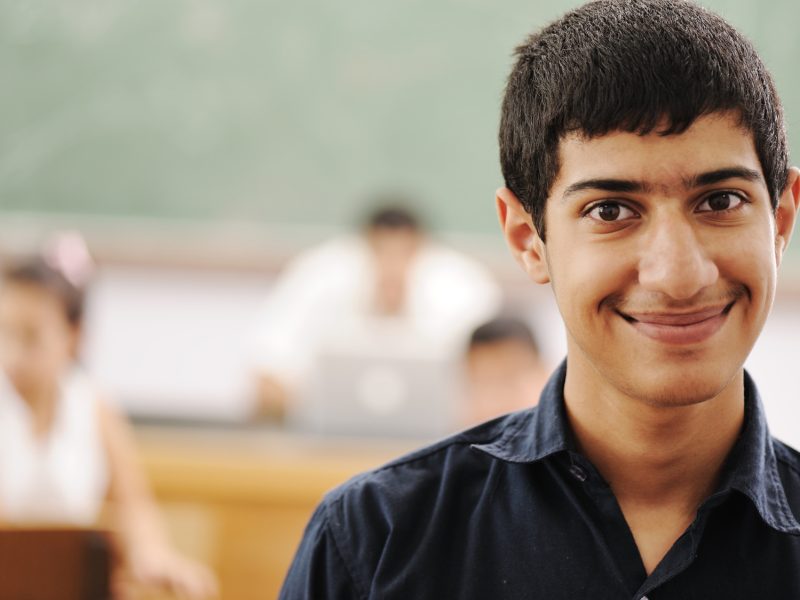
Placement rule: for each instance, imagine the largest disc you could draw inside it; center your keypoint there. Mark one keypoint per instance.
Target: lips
(680, 327)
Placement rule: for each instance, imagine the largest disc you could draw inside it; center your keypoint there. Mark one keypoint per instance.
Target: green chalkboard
(277, 111)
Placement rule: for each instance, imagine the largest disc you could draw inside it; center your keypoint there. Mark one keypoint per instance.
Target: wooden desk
(239, 500)
(46, 563)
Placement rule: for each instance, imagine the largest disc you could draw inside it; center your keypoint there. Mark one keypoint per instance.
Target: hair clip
(67, 252)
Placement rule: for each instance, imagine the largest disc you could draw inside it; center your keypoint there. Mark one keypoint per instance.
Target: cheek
(583, 278)
(27, 363)
(749, 260)
(749, 256)
(59, 351)
(50, 356)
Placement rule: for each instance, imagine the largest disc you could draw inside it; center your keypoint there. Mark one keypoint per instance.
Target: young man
(645, 161)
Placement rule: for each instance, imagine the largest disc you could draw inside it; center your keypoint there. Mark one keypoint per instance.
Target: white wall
(174, 343)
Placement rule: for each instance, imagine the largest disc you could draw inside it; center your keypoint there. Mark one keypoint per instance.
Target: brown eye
(610, 212)
(720, 202)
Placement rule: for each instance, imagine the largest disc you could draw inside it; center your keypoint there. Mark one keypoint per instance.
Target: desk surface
(239, 499)
(229, 463)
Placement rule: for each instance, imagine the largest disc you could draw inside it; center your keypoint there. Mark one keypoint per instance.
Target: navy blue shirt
(511, 510)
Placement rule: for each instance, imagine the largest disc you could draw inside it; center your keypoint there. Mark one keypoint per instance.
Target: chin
(668, 390)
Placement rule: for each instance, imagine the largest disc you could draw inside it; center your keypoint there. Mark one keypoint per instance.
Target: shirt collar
(533, 434)
(751, 467)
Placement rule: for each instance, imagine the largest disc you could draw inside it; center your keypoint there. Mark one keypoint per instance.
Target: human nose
(673, 260)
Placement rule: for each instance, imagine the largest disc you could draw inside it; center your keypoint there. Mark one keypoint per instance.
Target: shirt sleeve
(312, 289)
(319, 571)
(450, 295)
(278, 347)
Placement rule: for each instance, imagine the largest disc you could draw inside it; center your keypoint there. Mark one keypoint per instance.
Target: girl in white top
(63, 450)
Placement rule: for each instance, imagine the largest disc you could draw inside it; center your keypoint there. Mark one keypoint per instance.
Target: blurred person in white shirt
(389, 275)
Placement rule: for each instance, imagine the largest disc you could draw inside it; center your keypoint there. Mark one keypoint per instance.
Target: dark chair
(54, 564)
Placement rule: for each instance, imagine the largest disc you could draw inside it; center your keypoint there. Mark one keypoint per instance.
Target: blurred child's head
(504, 371)
(40, 321)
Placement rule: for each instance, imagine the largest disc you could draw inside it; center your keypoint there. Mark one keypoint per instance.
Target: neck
(41, 402)
(654, 455)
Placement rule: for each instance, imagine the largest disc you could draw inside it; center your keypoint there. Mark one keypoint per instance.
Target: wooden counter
(238, 500)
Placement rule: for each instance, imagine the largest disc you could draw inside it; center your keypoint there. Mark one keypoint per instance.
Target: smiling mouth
(679, 327)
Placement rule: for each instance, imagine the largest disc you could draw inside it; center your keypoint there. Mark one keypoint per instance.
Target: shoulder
(788, 458)
(82, 392)
(447, 278)
(451, 457)
(318, 271)
(338, 252)
(90, 407)
(440, 259)
(402, 517)
(424, 491)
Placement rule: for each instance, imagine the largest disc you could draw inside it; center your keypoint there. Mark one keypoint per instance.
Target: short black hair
(37, 272)
(503, 329)
(394, 216)
(631, 65)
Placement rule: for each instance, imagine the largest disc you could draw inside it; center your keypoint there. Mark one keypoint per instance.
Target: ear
(521, 236)
(786, 212)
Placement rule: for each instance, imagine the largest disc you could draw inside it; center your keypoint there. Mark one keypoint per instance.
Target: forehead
(501, 348)
(393, 237)
(712, 142)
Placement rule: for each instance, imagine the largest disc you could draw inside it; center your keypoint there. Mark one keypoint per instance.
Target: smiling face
(662, 252)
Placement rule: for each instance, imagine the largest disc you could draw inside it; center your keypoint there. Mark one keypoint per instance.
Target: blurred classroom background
(199, 146)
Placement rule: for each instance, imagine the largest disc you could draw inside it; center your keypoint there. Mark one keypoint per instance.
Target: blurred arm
(144, 545)
(298, 306)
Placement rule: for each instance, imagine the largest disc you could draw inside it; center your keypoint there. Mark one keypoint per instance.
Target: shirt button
(579, 474)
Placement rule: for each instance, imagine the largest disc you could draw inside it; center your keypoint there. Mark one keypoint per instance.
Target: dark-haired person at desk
(504, 370)
(647, 182)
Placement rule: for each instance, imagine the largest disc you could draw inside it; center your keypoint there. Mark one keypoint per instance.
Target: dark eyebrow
(630, 186)
(606, 185)
(712, 177)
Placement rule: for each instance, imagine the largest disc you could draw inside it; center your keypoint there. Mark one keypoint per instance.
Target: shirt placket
(620, 543)
(620, 547)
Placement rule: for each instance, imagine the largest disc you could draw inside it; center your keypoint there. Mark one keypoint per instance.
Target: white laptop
(382, 384)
